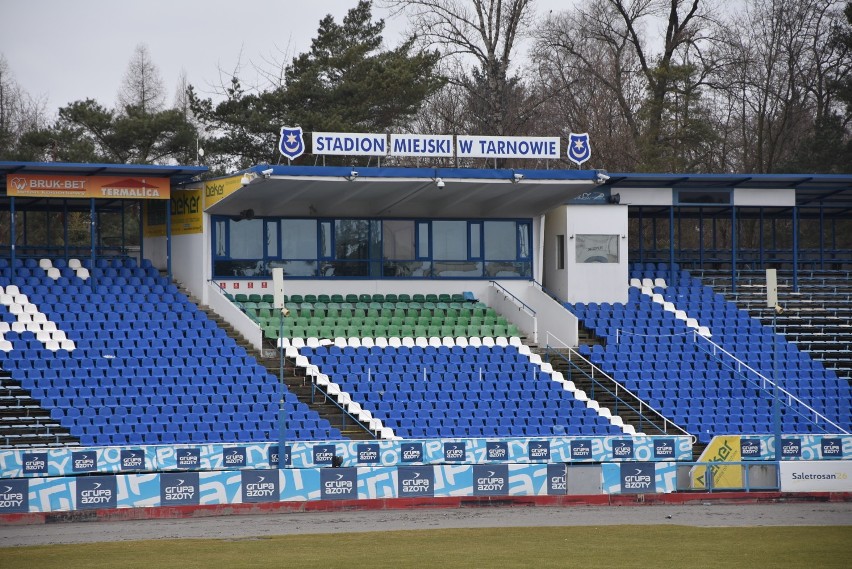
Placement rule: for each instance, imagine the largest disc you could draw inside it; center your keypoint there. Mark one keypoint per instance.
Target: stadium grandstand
(311, 308)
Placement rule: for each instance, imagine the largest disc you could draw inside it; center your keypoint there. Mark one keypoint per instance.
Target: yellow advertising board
(186, 215)
(720, 449)
(112, 187)
(216, 190)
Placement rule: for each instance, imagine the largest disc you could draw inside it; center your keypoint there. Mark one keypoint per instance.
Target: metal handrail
(517, 300)
(741, 365)
(549, 293)
(618, 398)
(327, 397)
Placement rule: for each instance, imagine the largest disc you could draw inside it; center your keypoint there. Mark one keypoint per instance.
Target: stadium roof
(177, 174)
(317, 191)
(830, 190)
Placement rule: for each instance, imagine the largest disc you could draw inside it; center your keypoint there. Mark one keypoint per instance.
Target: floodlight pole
(282, 410)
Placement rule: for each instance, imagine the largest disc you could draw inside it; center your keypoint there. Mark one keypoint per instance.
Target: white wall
(586, 282)
(154, 249)
(555, 279)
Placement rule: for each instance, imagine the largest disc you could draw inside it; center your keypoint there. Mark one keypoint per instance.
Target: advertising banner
(454, 452)
(368, 453)
(111, 187)
(132, 459)
(539, 450)
(338, 483)
(14, 496)
(415, 481)
(84, 461)
(185, 211)
(259, 486)
(179, 489)
(638, 478)
(816, 476)
(35, 463)
(234, 457)
(490, 480)
(411, 452)
(95, 492)
(557, 483)
(217, 190)
(720, 449)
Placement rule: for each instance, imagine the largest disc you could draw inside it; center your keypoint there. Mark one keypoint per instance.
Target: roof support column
(671, 245)
(701, 238)
(92, 223)
(641, 236)
(760, 240)
(733, 249)
(12, 233)
(795, 249)
(143, 208)
(821, 238)
(65, 227)
(169, 238)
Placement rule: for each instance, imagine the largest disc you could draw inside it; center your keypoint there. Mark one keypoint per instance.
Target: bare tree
(20, 113)
(478, 40)
(783, 76)
(656, 88)
(142, 87)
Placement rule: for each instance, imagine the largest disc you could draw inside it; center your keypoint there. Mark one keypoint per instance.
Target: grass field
(534, 548)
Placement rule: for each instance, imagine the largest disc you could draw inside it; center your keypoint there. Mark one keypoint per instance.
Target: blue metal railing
(515, 298)
(624, 398)
(760, 381)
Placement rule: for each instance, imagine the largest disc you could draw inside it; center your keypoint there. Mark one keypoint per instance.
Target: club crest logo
(291, 145)
(579, 148)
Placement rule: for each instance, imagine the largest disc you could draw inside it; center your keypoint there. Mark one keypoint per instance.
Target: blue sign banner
(339, 483)
(497, 450)
(831, 447)
(84, 461)
(234, 457)
(14, 496)
(664, 449)
(133, 459)
(259, 486)
(539, 450)
(454, 452)
(415, 481)
(622, 449)
(638, 478)
(324, 454)
(557, 482)
(188, 458)
(411, 452)
(490, 480)
(179, 489)
(750, 448)
(581, 449)
(791, 448)
(273, 455)
(368, 453)
(96, 492)
(35, 463)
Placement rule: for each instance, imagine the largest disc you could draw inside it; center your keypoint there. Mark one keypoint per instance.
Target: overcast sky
(67, 50)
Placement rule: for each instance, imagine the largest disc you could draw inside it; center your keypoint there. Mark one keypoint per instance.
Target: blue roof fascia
(420, 173)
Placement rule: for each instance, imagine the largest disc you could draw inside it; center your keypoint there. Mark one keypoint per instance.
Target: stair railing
(622, 396)
(760, 381)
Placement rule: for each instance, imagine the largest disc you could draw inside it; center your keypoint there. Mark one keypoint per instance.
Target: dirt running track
(247, 526)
